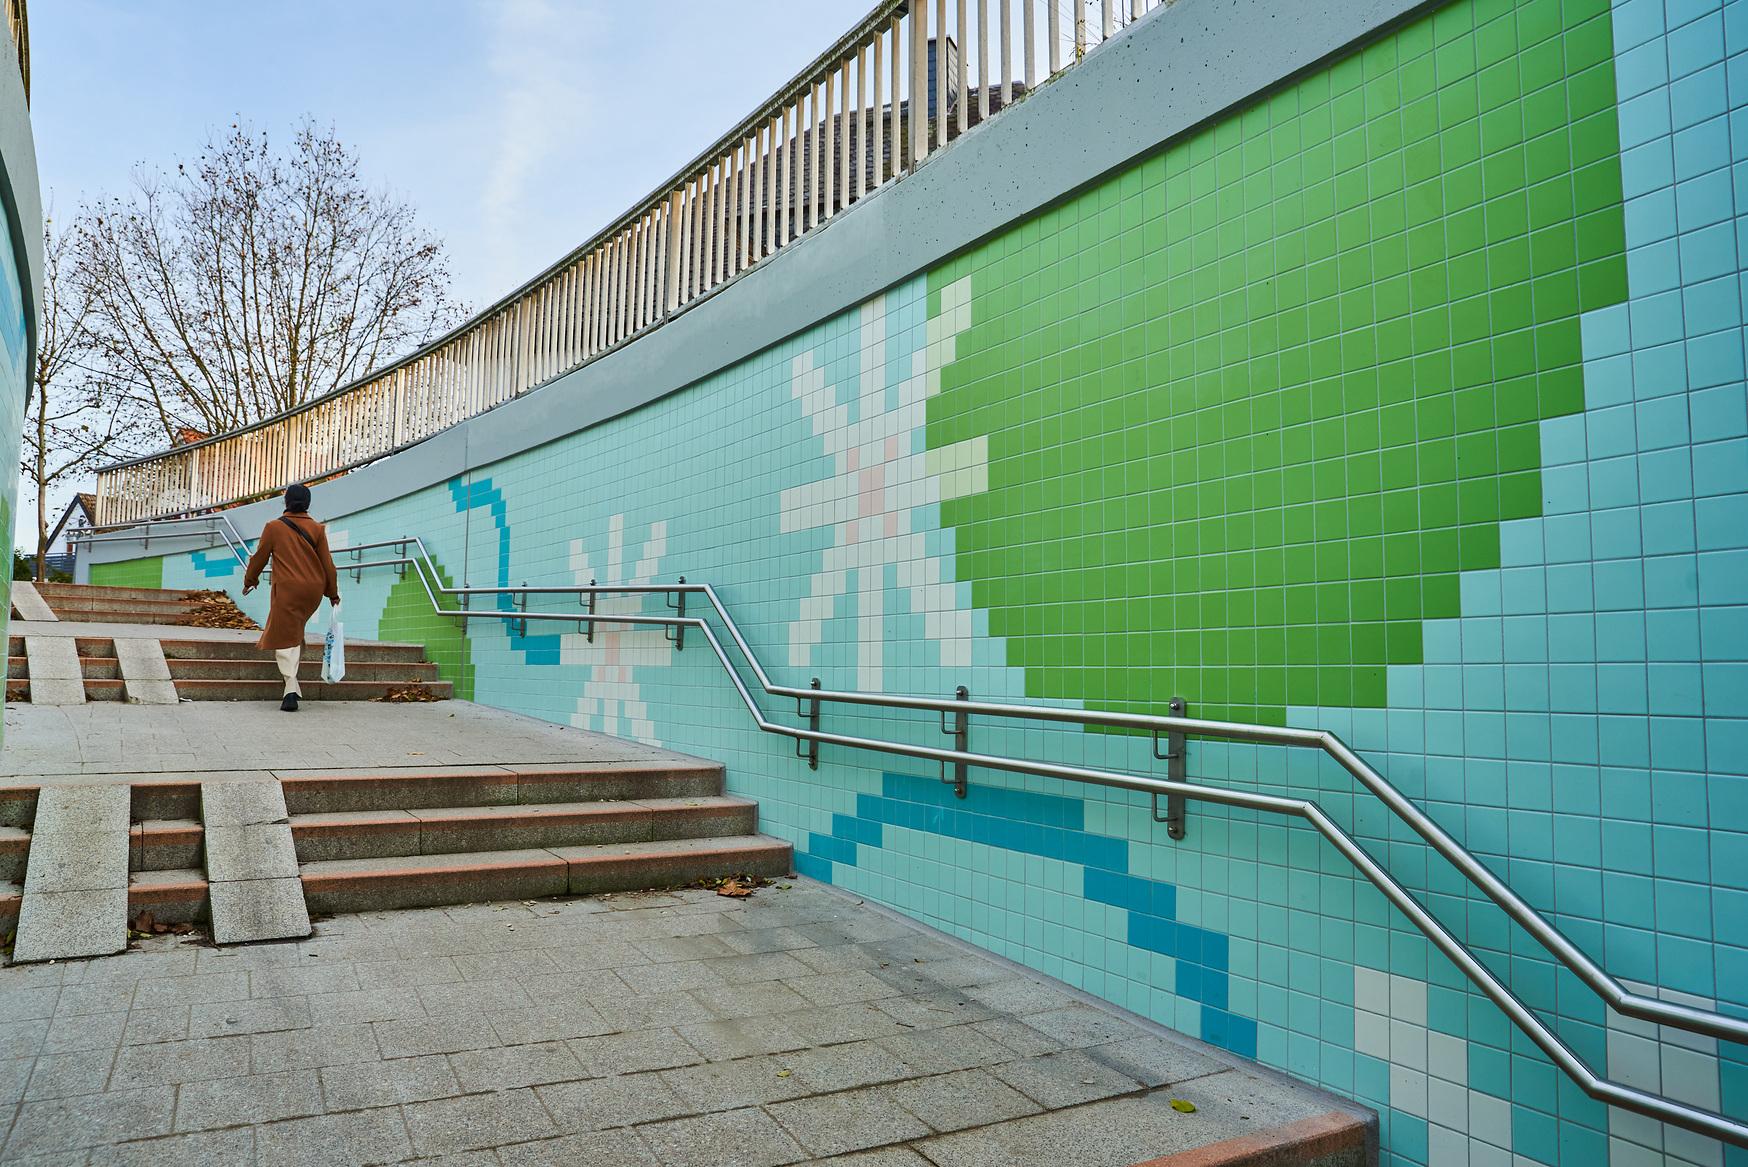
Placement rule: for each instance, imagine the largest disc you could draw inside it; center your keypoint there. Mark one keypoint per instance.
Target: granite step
(317, 792)
(348, 690)
(165, 844)
(175, 895)
(372, 834)
(109, 592)
(14, 851)
(310, 669)
(410, 881)
(357, 652)
(11, 896)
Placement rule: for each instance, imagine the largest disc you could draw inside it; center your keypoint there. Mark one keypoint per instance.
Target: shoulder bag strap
(302, 534)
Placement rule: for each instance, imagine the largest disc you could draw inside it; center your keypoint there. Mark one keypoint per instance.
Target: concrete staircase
(201, 667)
(469, 834)
(373, 841)
(216, 670)
(106, 605)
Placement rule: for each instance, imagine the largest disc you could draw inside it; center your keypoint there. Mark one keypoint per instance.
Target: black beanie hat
(297, 498)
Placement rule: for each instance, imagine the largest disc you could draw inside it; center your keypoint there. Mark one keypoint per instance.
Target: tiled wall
(1406, 402)
(14, 383)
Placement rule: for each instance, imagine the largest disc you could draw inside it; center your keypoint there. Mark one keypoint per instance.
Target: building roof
(81, 502)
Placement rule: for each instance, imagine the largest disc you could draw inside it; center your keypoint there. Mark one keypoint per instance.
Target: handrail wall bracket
(1176, 757)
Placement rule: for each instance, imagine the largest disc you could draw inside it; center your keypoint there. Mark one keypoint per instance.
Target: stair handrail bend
(1617, 996)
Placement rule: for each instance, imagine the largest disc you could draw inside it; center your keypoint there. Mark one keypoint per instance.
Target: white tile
(1408, 1091)
(1691, 1077)
(1408, 1000)
(1447, 1104)
(1448, 1057)
(1408, 1045)
(1623, 1153)
(1371, 989)
(1633, 1060)
(1490, 1118)
(1446, 1147)
(1371, 1034)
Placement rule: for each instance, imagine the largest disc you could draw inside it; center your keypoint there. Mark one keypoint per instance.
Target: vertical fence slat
(919, 81)
(1029, 39)
(940, 71)
(1053, 30)
(962, 73)
(1007, 53)
(877, 112)
(860, 141)
(895, 138)
(783, 177)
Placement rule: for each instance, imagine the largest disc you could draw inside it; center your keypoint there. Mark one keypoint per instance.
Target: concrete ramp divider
(75, 881)
(28, 602)
(56, 675)
(145, 674)
(251, 863)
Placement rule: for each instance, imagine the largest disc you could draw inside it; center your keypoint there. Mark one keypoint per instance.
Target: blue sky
(516, 127)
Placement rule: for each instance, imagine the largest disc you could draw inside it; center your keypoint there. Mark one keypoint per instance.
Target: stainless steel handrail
(1617, 996)
(221, 526)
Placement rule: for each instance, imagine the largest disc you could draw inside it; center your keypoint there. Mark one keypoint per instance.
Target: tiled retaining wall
(1406, 401)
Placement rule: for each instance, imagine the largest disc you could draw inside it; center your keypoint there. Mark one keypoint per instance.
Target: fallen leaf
(1183, 1106)
(782, 1073)
(734, 889)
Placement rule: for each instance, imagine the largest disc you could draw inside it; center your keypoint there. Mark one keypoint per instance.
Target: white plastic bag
(334, 648)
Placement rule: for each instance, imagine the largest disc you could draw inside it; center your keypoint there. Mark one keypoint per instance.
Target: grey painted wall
(1169, 73)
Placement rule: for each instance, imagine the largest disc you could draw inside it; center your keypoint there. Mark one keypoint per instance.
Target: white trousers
(289, 659)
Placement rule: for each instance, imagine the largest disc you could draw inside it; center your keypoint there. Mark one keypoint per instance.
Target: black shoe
(289, 705)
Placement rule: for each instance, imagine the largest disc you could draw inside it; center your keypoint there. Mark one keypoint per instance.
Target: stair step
(165, 844)
(125, 617)
(310, 669)
(100, 689)
(11, 896)
(174, 603)
(454, 786)
(244, 690)
(452, 830)
(173, 895)
(357, 652)
(410, 881)
(14, 850)
(106, 591)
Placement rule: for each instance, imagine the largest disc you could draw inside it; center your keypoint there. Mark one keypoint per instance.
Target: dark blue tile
(836, 850)
(857, 830)
(813, 867)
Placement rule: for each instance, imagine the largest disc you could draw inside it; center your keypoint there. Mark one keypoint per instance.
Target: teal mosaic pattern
(14, 381)
(1571, 706)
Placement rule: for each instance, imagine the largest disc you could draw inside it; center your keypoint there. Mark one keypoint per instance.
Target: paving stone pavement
(52, 745)
(681, 1029)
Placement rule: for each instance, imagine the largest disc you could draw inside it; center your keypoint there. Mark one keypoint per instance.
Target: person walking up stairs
(303, 572)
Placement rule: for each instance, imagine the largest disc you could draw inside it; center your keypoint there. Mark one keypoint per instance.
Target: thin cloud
(537, 60)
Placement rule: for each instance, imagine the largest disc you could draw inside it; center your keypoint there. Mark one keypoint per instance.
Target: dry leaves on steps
(408, 693)
(145, 924)
(212, 609)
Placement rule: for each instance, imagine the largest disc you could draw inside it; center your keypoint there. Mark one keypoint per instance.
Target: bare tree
(250, 281)
(75, 415)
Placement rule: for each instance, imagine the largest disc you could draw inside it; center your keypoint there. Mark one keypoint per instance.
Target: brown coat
(302, 575)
